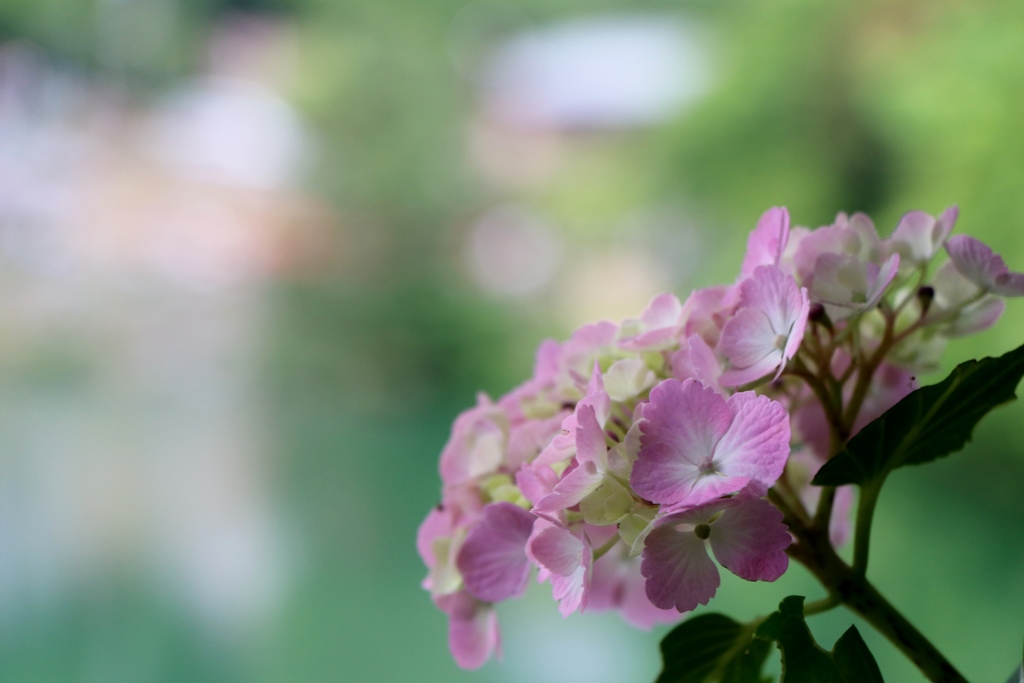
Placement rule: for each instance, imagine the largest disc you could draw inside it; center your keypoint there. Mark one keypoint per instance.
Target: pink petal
(565, 560)
(660, 324)
(767, 241)
(591, 445)
(976, 261)
(618, 584)
(796, 332)
(545, 368)
(755, 347)
(683, 422)
(587, 344)
(944, 224)
(536, 481)
(756, 444)
(749, 343)
(528, 439)
(493, 560)
(773, 293)
(679, 572)
(706, 367)
(705, 311)
(574, 487)
(636, 607)
(572, 591)
(1009, 284)
(472, 629)
(555, 548)
(915, 236)
(882, 280)
(664, 310)
(709, 487)
(476, 445)
(979, 316)
(750, 540)
(438, 524)
(832, 239)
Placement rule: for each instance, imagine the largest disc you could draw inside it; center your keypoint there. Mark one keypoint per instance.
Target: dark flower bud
(817, 316)
(925, 295)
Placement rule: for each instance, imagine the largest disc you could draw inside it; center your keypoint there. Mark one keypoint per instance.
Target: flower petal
(678, 570)
(914, 236)
(756, 444)
(750, 540)
(492, 559)
(767, 241)
(472, 629)
(976, 261)
(555, 548)
(682, 424)
(437, 524)
(627, 378)
(750, 345)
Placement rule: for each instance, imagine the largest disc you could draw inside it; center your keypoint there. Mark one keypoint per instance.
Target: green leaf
(929, 423)
(854, 659)
(712, 648)
(804, 661)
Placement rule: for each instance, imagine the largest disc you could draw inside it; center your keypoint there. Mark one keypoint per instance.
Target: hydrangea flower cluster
(640, 450)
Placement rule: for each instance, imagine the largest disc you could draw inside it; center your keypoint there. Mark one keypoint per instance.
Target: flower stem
(862, 537)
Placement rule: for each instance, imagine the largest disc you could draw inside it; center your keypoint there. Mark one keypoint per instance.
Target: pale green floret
(539, 408)
(655, 361)
(627, 379)
(500, 489)
(634, 527)
(608, 504)
(444, 577)
(624, 454)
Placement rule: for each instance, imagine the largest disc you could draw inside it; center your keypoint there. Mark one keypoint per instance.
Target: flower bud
(925, 295)
(817, 316)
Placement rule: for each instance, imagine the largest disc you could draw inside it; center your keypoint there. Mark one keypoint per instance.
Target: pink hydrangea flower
(986, 269)
(492, 560)
(586, 346)
(918, 237)
(767, 242)
(696, 360)
(658, 327)
(617, 584)
(848, 286)
(566, 560)
(591, 465)
(697, 445)
(476, 446)
(563, 446)
(472, 629)
(956, 305)
(767, 328)
(746, 534)
(850, 235)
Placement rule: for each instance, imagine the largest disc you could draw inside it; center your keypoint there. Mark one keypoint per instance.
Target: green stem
(823, 605)
(600, 552)
(862, 537)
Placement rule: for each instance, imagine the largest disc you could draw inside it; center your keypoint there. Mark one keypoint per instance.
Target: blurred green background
(257, 255)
